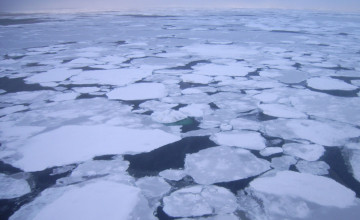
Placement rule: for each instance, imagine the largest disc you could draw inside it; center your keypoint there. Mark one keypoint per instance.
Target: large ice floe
(75, 143)
(12, 187)
(139, 91)
(199, 201)
(94, 200)
(244, 139)
(311, 188)
(223, 164)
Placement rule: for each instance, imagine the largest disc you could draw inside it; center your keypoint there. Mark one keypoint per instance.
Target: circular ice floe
(139, 91)
(317, 189)
(309, 152)
(223, 164)
(244, 139)
(313, 167)
(12, 188)
(200, 200)
(327, 83)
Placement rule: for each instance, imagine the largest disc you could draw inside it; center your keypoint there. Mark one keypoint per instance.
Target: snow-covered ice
(173, 174)
(309, 152)
(327, 83)
(317, 189)
(153, 187)
(77, 143)
(196, 78)
(245, 139)
(223, 164)
(91, 201)
(270, 151)
(11, 187)
(281, 111)
(139, 91)
(322, 133)
(313, 167)
(200, 200)
(283, 162)
(168, 116)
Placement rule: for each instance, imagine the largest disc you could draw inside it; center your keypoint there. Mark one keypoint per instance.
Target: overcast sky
(96, 5)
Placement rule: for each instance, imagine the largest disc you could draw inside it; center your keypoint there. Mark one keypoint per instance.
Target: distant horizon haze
(121, 5)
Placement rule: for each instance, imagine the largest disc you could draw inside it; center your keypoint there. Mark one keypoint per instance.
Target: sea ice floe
(95, 168)
(190, 91)
(168, 116)
(11, 187)
(200, 200)
(317, 189)
(196, 78)
(12, 109)
(327, 83)
(309, 152)
(245, 139)
(227, 51)
(90, 201)
(86, 89)
(64, 96)
(245, 124)
(76, 143)
(196, 110)
(54, 75)
(270, 151)
(117, 77)
(281, 111)
(353, 157)
(153, 187)
(155, 105)
(228, 69)
(171, 174)
(223, 164)
(283, 162)
(139, 91)
(313, 167)
(323, 133)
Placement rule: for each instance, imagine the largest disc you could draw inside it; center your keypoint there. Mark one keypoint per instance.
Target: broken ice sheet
(326, 133)
(313, 167)
(76, 143)
(200, 200)
(173, 174)
(11, 187)
(327, 83)
(153, 187)
(93, 200)
(281, 111)
(317, 189)
(245, 139)
(223, 164)
(309, 152)
(139, 91)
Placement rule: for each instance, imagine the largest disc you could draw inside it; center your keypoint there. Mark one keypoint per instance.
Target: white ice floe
(64, 96)
(139, 91)
(76, 143)
(11, 187)
(270, 151)
(86, 89)
(227, 51)
(90, 201)
(228, 69)
(196, 78)
(200, 200)
(168, 116)
(171, 174)
(317, 189)
(12, 109)
(353, 156)
(153, 187)
(196, 110)
(2, 91)
(283, 162)
(281, 111)
(54, 75)
(95, 168)
(313, 167)
(245, 124)
(223, 164)
(323, 133)
(309, 152)
(118, 77)
(226, 127)
(245, 139)
(190, 91)
(327, 83)
(15, 133)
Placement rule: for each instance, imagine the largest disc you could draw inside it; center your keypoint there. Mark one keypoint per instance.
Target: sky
(114, 5)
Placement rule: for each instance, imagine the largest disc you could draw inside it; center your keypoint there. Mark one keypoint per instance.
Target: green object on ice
(186, 121)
